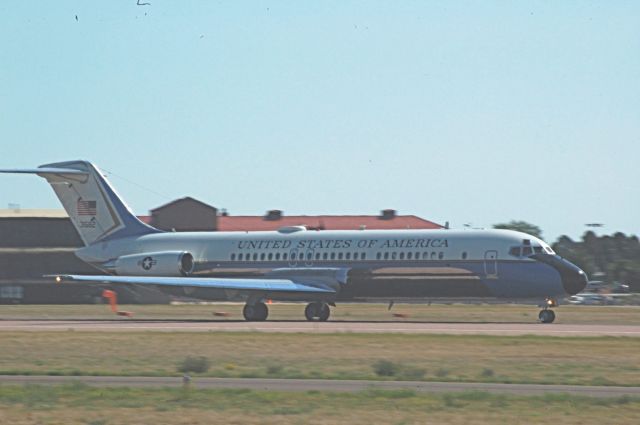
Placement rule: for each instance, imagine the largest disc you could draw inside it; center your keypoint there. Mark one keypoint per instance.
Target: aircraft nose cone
(574, 280)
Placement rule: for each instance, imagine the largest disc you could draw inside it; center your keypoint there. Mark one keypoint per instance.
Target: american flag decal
(86, 207)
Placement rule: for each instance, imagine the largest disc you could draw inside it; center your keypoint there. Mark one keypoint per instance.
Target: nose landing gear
(546, 315)
(317, 311)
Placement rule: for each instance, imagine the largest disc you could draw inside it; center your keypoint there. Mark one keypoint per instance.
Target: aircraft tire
(324, 313)
(247, 312)
(257, 312)
(546, 316)
(317, 311)
(310, 311)
(262, 312)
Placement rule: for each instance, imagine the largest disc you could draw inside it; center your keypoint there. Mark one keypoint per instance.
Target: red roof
(324, 222)
(145, 218)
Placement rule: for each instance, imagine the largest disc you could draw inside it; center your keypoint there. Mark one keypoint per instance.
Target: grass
(198, 364)
(503, 313)
(79, 404)
(471, 358)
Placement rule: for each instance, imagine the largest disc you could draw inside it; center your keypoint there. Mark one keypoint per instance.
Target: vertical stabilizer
(95, 209)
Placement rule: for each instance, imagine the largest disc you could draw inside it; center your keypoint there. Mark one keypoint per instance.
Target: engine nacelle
(165, 263)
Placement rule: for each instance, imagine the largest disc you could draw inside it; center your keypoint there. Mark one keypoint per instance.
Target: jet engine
(165, 263)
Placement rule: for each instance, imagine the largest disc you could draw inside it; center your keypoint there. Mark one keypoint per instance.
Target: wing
(272, 286)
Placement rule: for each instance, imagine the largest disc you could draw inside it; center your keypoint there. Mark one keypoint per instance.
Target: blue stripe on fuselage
(514, 279)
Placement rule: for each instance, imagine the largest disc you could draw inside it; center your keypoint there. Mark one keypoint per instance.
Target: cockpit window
(527, 249)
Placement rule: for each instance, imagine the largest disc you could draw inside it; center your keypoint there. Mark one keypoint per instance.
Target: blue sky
(467, 112)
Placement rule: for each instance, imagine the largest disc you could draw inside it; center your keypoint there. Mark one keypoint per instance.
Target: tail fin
(95, 209)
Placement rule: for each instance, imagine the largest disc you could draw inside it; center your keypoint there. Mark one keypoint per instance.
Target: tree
(616, 258)
(521, 226)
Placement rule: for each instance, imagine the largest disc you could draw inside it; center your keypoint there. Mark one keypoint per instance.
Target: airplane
(297, 264)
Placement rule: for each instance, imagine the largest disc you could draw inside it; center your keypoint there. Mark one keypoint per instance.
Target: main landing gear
(546, 315)
(256, 312)
(317, 311)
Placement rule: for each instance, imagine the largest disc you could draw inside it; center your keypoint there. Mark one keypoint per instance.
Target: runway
(126, 325)
(265, 384)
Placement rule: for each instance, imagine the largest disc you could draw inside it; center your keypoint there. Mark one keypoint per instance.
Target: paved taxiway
(557, 329)
(321, 385)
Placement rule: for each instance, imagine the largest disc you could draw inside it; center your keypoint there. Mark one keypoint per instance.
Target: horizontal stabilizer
(44, 171)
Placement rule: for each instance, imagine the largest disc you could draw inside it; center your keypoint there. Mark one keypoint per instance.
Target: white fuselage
(381, 263)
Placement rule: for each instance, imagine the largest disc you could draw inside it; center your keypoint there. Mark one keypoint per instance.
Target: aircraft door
(491, 264)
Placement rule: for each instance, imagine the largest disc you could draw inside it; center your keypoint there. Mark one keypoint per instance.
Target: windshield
(529, 247)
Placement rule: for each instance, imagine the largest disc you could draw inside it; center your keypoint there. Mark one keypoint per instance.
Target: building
(185, 215)
(275, 219)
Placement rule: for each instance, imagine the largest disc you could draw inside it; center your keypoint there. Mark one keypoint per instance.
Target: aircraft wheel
(248, 312)
(310, 311)
(257, 312)
(261, 312)
(317, 311)
(324, 313)
(546, 316)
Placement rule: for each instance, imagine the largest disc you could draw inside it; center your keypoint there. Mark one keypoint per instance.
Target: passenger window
(240, 257)
(348, 256)
(339, 256)
(402, 255)
(233, 257)
(440, 255)
(378, 255)
(333, 255)
(284, 256)
(386, 255)
(363, 256)
(293, 256)
(425, 255)
(309, 256)
(433, 255)
(262, 257)
(355, 255)
(325, 255)
(317, 255)
(277, 255)
(270, 256)
(464, 255)
(409, 255)
(393, 255)
(255, 256)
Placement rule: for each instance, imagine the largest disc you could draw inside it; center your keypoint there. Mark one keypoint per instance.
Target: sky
(472, 113)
